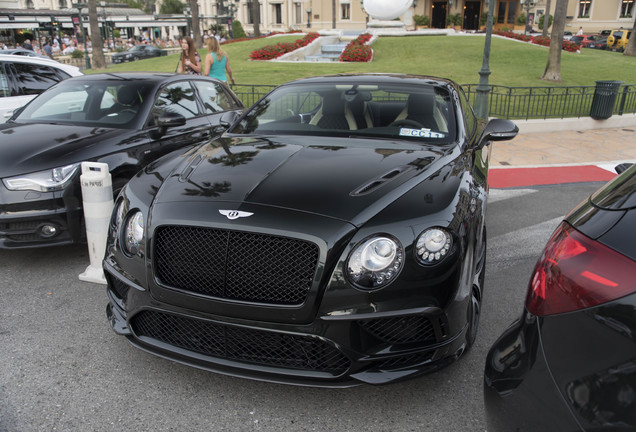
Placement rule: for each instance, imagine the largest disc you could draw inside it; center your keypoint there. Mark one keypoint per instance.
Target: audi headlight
(375, 262)
(433, 245)
(133, 236)
(43, 181)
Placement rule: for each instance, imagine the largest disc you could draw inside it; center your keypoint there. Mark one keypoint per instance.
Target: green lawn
(457, 57)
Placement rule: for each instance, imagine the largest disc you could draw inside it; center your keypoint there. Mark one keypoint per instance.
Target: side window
(215, 98)
(34, 79)
(176, 98)
(469, 115)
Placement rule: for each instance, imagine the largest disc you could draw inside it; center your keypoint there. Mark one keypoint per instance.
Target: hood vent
(189, 169)
(378, 182)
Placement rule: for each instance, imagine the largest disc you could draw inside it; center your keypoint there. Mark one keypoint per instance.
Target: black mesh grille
(403, 361)
(119, 288)
(407, 329)
(235, 265)
(240, 344)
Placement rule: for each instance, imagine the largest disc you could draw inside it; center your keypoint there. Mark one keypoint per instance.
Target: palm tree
(196, 27)
(96, 37)
(553, 65)
(630, 49)
(256, 18)
(546, 18)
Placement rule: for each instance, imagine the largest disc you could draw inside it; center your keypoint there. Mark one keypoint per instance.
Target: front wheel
(476, 293)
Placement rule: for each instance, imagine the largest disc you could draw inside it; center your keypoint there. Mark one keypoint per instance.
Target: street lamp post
(79, 7)
(308, 17)
(483, 89)
(527, 4)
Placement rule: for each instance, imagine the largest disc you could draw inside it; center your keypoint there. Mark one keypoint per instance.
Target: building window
(62, 4)
(298, 13)
(278, 13)
(627, 8)
(584, 8)
(345, 11)
(507, 12)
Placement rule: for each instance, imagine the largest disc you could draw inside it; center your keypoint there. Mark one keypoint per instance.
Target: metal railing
(250, 93)
(523, 103)
(513, 103)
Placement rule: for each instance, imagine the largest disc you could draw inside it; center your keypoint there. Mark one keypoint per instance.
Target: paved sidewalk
(587, 147)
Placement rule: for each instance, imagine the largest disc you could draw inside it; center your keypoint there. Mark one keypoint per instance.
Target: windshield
(423, 112)
(95, 103)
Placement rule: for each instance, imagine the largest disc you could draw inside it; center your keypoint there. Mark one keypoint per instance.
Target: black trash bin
(604, 99)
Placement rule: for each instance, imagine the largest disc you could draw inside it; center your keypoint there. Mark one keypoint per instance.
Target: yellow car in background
(617, 40)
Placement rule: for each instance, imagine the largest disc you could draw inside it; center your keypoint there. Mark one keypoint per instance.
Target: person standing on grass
(217, 63)
(190, 62)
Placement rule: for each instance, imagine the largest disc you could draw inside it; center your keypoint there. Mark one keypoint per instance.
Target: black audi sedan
(125, 120)
(138, 52)
(569, 362)
(334, 236)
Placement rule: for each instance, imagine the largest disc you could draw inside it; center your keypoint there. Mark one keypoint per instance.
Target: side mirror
(167, 120)
(170, 119)
(499, 130)
(228, 118)
(622, 167)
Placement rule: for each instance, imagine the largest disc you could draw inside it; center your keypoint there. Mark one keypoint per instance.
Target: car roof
(374, 78)
(70, 69)
(149, 77)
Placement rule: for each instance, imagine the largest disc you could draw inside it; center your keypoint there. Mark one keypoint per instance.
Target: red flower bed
(274, 51)
(357, 50)
(260, 37)
(537, 40)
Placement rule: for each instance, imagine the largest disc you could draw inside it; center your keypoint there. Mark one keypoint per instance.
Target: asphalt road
(63, 369)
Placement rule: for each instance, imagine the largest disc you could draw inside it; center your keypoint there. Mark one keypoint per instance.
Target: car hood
(30, 148)
(343, 178)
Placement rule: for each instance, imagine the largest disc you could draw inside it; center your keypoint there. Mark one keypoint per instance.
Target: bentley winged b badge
(234, 214)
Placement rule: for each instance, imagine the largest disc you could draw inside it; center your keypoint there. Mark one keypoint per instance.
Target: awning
(123, 24)
(19, 25)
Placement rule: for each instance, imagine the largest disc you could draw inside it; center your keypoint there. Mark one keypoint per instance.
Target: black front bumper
(25, 218)
(331, 351)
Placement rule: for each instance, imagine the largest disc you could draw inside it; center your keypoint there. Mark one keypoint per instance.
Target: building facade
(305, 15)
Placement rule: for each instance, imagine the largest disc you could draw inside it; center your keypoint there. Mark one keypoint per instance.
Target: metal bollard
(97, 196)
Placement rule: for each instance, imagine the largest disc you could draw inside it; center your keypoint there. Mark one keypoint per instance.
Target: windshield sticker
(422, 133)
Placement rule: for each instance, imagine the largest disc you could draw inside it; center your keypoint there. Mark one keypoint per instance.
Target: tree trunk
(553, 65)
(546, 18)
(96, 37)
(196, 24)
(256, 18)
(630, 49)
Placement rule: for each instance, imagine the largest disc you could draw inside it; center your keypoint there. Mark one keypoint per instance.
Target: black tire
(476, 294)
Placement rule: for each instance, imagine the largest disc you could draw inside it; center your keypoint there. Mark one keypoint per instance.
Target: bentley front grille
(240, 344)
(234, 264)
(408, 329)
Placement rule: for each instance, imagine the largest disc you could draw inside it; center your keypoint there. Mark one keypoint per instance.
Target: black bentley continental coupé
(334, 235)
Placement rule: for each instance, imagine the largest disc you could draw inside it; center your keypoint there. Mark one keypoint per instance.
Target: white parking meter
(97, 196)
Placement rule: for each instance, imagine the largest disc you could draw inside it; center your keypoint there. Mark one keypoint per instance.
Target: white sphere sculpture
(386, 9)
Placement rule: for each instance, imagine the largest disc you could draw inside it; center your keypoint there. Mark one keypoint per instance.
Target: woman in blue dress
(217, 63)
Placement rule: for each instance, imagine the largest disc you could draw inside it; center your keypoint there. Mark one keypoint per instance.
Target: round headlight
(134, 233)
(375, 262)
(433, 245)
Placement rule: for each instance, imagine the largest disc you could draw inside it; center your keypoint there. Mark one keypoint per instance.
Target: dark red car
(584, 41)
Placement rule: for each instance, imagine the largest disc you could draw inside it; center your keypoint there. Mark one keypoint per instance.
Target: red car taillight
(576, 272)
